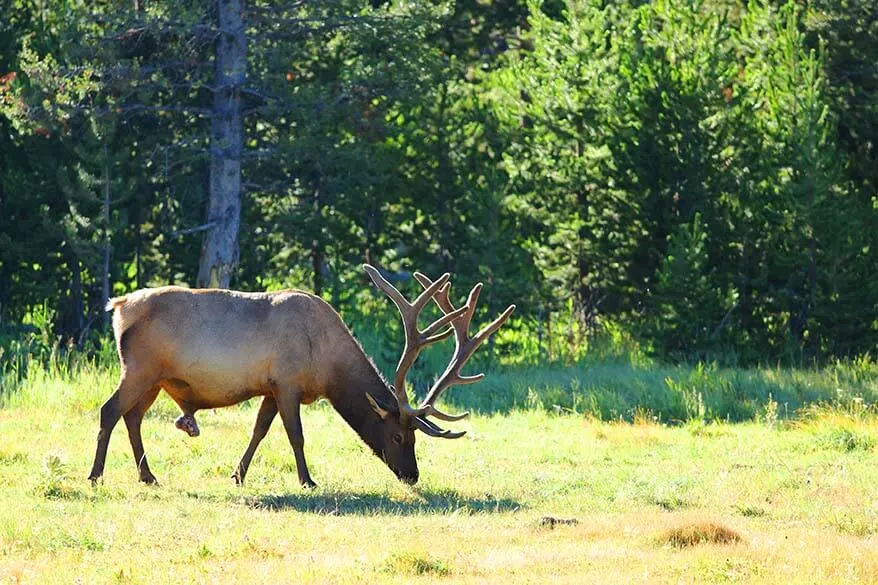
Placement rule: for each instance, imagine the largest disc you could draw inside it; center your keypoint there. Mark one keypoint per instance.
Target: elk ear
(383, 413)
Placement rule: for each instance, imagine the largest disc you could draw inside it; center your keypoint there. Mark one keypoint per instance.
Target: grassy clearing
(529, 495)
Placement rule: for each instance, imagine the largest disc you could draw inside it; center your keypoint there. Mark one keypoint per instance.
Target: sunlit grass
(775, 499)
(695, 533)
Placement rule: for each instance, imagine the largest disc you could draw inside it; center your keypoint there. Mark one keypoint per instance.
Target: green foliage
(689, 308)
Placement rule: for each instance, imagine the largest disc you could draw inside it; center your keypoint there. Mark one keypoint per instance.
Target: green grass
(540, 490)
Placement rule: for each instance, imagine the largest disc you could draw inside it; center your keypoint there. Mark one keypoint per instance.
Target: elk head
(401, 419)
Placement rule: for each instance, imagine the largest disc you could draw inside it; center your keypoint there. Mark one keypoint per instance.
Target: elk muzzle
(408, 478)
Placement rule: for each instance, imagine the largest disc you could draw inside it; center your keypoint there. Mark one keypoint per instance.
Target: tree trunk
(540, 336)
(219, 251)
(586, 299)
(317, 259)
(813, 344)
(76, 319)
(745, 309)
(318, 250)
(105, 276)
(138, 245)
(444, 181)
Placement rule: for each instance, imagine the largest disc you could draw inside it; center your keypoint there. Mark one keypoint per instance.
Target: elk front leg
(288, 404)
(267, 412)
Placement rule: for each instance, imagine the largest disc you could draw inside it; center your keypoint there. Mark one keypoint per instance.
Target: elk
(212, 348)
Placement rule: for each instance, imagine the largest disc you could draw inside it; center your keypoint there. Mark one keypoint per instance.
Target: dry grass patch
(750, 511)
(858, 524)
(848, 430)
(845, 439)
(646, 433)
(551, 522)
(695, 533)
(411, 563)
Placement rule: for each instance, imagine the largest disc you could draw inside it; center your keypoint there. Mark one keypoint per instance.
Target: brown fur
(212, 348)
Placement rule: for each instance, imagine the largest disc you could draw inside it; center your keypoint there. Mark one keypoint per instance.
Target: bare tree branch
(207, 226)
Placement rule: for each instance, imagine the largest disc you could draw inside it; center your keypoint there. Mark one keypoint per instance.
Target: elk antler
(415, 339)
(465, 346)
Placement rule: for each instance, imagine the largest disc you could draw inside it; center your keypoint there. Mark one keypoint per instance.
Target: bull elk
(216, 348)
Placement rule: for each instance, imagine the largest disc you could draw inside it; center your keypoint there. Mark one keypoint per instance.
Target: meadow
(602, 472)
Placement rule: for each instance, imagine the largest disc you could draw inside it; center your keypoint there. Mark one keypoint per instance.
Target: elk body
(214, 348)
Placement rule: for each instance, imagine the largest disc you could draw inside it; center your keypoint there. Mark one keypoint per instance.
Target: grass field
(540, 490)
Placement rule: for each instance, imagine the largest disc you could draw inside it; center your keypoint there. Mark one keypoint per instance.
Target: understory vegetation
(611, 383)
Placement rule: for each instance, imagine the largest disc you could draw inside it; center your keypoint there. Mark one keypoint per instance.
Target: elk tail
(116, 302)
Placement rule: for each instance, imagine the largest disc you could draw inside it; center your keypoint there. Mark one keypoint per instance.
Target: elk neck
(348, 396)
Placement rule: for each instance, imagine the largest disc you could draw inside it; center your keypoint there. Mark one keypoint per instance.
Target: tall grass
(604, 390)
(36, 370)
(612, 391)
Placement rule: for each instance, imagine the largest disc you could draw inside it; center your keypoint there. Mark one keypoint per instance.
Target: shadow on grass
(673, 394)
(362, 504)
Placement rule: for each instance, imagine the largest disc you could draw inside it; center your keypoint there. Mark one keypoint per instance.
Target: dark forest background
(694, 179)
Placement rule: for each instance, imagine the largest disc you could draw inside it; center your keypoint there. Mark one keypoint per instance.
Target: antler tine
(465, 346)
(429, 428)
(401, 303)
(415, 339)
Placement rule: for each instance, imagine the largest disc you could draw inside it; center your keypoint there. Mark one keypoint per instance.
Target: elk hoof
(309, 484)
(149, 479)
(187, 424)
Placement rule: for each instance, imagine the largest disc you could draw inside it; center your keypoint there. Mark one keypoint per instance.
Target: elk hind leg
(133, 420)
(267, 412)
(128, 393)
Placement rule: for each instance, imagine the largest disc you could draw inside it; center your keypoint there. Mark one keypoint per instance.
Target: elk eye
(397, 438)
